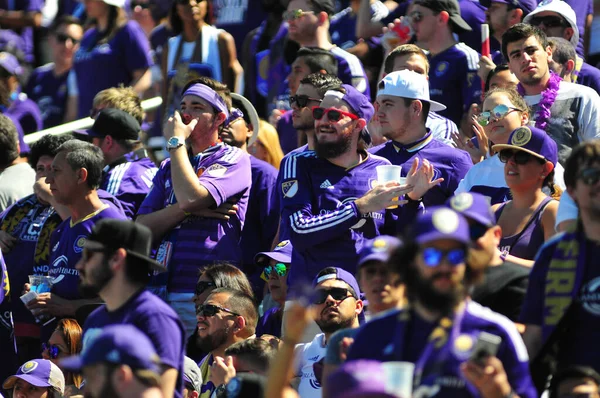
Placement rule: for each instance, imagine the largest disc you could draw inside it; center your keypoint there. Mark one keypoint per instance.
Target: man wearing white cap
(404, 104)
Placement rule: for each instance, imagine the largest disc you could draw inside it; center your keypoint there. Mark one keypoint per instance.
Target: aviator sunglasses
(497, 113)
(332, 114)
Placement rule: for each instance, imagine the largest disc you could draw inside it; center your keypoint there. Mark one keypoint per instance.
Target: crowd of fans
(335, 198)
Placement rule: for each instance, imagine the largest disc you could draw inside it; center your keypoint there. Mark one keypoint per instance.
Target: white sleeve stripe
(289, 168)
(316, 229)
(472, 55)
(117, 176)
(302, 226)
(354, 63)
(306, 223)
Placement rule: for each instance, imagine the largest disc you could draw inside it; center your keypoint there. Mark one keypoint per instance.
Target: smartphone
(486, 346)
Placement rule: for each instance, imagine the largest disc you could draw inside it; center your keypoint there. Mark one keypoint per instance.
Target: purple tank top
(526, 243)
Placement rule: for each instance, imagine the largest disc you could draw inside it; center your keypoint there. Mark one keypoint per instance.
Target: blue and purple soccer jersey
(402, 335)
(449, 163)
(453, 80)
(226, 173)
(49, 92)
(129, 179)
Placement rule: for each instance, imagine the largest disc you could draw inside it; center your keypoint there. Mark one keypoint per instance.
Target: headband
(209, 95)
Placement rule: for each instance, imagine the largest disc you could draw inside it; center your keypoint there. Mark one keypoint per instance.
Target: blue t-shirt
(49, 92)
(402, 335)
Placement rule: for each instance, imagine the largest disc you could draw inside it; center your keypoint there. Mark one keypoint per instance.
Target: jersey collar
(414, 146)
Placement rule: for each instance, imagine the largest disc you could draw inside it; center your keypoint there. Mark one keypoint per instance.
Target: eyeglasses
(208, 310)
(292, 15)
(332, 114)
(520, 157)
(301, 100)
(62, 38)
(202, 286)
(337, 293)
(477, 230)
(280, 268)
(432, 257)
(53, 350)
(590, 176)
(548, 21)
(497, 113)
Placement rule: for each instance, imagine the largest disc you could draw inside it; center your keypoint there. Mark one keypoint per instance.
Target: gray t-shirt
(16, 182)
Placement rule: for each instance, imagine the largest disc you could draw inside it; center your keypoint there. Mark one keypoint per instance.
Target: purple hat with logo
(441, 223)
(526, 5)
(358, 379)
(282, 253)
(474, 206)
(10, 63)
(40, 373)
(341, 275)
(378, 249)
(533, 141)
(116, 344)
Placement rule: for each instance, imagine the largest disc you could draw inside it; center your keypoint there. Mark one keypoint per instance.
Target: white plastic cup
(399, 378)
(389, 173)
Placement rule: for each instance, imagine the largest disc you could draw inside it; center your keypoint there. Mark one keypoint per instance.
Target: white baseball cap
(116, 3)
(563, 9)
(408, 84)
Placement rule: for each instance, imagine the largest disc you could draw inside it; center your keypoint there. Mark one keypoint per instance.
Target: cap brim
(499, 147)
(34, 381)
(277, 256)
(460, 23)
(155, 265)
(252, 115)
(478, 218)
(87, 133)
(72, 364)
(436, 106)
(383, 256)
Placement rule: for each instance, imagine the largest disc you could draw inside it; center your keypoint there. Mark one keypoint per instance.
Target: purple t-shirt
(129, 179)
(589, 76)
(66, 246)
(97, 67)
(393, 337)
(225, 172)
(26, 33)
(155, 319)
(49, 92)
(582, 9)
(449, 163)
(270, 322)
(27, 113)
(288, 136)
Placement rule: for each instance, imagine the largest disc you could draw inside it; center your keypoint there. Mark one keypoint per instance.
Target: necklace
(548, 97)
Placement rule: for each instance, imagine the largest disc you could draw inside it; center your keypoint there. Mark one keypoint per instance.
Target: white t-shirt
(305, 355)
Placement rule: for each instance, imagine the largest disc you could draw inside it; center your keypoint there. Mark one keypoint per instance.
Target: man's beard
(212, 341)
(305, 124)
(330, 150)
(422, 290)
(100, 278)
(333, 325)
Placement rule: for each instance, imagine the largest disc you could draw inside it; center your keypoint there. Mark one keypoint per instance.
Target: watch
(174, 143)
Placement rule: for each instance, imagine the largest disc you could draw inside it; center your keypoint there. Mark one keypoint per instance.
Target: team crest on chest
(79, 242)
(289, 188)
(441, 69)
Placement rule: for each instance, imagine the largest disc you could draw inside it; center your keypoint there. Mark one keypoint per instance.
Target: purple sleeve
(460, 167)
(166, 336)
(471, 89)
(137, 48)
(34, 5)
(229, 176)
(156, 197)
(514, 358)
(532, 312)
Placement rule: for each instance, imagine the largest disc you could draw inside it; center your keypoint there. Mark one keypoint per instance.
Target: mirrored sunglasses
(280, 268)
(292, 15)
(432, 257)
(53, 350)
(497, 113)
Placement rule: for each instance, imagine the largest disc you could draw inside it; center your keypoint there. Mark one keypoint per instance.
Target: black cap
(136, 239)
(246, 385)
(116, 123)
(324, 5)
(452, 8)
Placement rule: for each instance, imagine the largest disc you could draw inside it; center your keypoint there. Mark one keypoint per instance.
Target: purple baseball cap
(358, 379)
(526, 5)
(341, 275)
(378, 249)
(119, 345)
(441, 223)
(40, 373)
(533, 141)
(474, 206)
(10, 63)
(282, 253)
(358, 102)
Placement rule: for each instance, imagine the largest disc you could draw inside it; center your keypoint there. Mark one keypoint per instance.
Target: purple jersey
(238, 17)
(288, 136)
(589, 76)
(225, 172)
(474, 15)
(262, 216)
(26, 112)
(449, 163)
(453, 80)
(66, 246)
(129, 179)
(582, 9)
(270, 322)
(49, 92)
(26, 33)
(402, 335)
(319, 202)
(100, 66)
(155, 319)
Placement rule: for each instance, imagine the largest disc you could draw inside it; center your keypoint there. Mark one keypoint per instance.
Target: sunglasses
(432, 257)
(477, 230)
(62, 38)
(337, 293)
(332, 114)
(497, 113)
(301, 100)
(142, 5)
(187, 2)
(590, 176)
(292, 15)
(549, 21)
(53, 350)
(202, 286)
(520, 157)
(210, 310)
(279, 268)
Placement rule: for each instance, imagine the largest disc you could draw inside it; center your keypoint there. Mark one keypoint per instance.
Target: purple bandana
(209, 95)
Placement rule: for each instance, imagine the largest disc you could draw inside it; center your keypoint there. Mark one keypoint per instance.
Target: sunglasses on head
(302, 100)
(336, 293)
(497, 113)
(62, 38)
(279, 268)
(53, 350)
(520, 157)
(209, 310)
(548, 21)
(432, 257)
(202, 286)
(590, 176)
(332, 114)
(292, 15)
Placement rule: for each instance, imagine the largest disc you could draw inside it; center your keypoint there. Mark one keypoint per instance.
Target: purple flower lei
(548, 98)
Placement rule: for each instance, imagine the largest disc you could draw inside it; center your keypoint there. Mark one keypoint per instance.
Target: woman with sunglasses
(527, 220)
(65, 342)
(504, 110)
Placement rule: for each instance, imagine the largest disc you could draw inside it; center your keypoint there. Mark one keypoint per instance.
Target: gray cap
(191, 374)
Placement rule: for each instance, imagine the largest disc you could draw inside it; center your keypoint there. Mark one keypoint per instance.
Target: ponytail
(555, 190)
